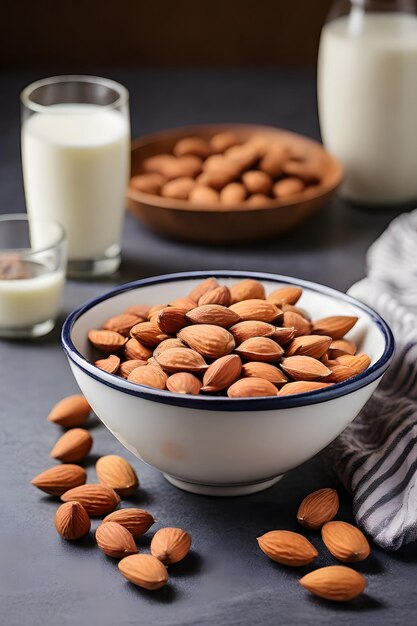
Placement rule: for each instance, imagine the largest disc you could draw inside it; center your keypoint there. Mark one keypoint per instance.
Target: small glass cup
(76, 163)
(32, 275)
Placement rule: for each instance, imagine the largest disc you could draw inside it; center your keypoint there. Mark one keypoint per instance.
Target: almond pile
(117, 533)
(237, 342)
(225, 171)
(345, 542)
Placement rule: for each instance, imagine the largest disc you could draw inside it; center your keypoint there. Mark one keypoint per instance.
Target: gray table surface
(226, 580)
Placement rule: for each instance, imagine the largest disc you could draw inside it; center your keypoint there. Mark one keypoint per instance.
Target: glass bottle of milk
(367, 97)
(76, 162)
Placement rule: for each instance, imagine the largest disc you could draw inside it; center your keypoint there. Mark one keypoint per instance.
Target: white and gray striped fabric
(376, 457)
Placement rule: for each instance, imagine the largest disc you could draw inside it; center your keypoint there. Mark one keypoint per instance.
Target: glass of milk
(32, 275)
(76, 163)
(367, 96)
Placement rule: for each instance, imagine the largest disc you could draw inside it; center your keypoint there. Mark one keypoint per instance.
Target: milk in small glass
(32, 275)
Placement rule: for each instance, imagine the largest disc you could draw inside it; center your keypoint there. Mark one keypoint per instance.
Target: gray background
(226, 579)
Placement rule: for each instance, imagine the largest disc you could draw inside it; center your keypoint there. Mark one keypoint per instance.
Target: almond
(179, 188)
(110, 364)
(345, 542)
(213, 163)
(296, 309)
(107, 341)
(72, 521)
(117, 473)
(155, 309)
(71, 411)
(358, 362)
(273, 160)
(301, 386)
(264, 370)
(181, 360)
(339, 373)
(73, 446)
(287, 187)
(257, 181)
(260, 349)
(57, 480)
(134, 349)
(251, 328)
(222, 373)
(224, 140)
(245, 155)
(140, 310)
(171, 320)
(207, 339)
(144, 570)
(310, 171)
(115, 540)
(304, 368)
(172, 342)
(258, 200)
(287, 548)
(335, 582)
(247, 289)
(213, 314)
(148, 333)
(285, 295)
(283, 335)
(318, 508)
(136, 521)
(122, 323)
(309, 345)
(150, 376)
(251, 388)
(154, 363)
(147, 183)
(96, 499)
(215, 179)
(192, 145)
(185, 304)
(173, 167)
(232, 194)
(219, 295)
(207, 285)
(336, 326)
(204, 193)
(184, 382)
(338, 347)
(170, 545)
(296, 321)
(128, 366)
(256, 309)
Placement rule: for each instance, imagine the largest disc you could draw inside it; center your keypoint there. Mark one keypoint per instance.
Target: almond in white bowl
(212, 444)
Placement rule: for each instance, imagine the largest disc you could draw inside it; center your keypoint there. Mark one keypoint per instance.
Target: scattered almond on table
(344, 541)
(117, 533)
(235, 341)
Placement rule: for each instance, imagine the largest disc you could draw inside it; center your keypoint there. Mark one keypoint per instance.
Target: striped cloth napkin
(376, 457)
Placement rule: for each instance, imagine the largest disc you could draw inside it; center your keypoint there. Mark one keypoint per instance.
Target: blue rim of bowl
(221, 403)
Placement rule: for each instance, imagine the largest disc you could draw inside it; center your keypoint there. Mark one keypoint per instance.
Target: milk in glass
(367, 91)
(76, 164)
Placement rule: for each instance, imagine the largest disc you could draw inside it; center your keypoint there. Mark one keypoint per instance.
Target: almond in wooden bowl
(208, 442)
(277, 193)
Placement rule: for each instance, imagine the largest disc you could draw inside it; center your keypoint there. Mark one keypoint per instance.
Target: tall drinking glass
(76, 161)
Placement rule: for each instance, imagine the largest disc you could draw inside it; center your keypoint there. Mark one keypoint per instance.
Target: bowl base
(220, 490)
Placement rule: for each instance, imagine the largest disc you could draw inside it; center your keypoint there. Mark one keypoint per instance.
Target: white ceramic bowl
(216, 445)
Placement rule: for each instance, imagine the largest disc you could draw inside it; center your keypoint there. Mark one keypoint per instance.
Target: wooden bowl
(182, 220)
